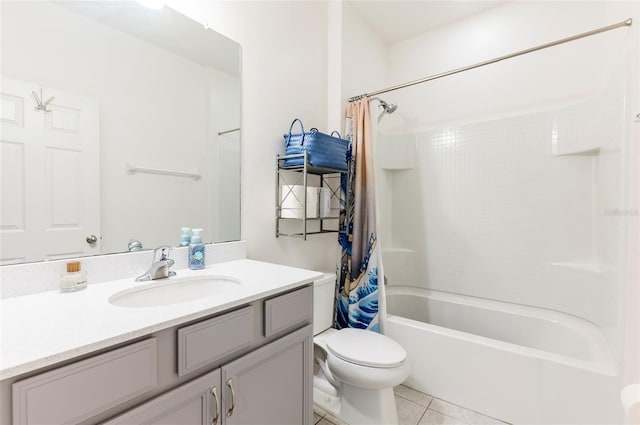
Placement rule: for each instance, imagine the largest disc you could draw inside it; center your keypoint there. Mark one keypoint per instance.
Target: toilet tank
(323, 301)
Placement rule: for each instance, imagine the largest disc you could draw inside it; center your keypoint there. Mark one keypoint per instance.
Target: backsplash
(25, 279)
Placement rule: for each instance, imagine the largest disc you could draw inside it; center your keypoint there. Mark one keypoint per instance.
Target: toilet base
(368, 407)
(326, 402)
(357, 406)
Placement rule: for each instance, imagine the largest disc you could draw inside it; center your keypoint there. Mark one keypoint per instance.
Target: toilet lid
(366, 348)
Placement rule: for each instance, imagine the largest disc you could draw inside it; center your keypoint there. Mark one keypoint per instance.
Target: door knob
(91, 239)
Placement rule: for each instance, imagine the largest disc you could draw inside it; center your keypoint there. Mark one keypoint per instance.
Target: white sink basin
(173, 291)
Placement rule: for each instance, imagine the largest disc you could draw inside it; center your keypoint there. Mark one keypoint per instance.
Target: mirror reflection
(120, 126)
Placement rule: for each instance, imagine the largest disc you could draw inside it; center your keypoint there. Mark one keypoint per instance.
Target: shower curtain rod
(624, 23)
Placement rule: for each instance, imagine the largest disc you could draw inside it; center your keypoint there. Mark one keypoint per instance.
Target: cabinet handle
(216, 399)
(233, 396)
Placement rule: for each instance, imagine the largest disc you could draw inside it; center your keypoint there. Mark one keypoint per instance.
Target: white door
(50, 175)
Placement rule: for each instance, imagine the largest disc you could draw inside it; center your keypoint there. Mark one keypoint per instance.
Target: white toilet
(354, 370)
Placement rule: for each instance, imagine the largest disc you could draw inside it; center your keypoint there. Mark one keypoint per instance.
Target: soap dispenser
(196, 251)
(185, 238)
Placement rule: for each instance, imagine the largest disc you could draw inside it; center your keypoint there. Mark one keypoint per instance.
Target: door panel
(50, 175)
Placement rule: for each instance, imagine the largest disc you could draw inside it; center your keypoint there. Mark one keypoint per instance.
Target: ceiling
(397, 20)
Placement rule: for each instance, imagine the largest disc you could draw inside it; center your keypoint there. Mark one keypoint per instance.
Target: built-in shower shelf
(578, 266)
(584, 152)
(399, 265)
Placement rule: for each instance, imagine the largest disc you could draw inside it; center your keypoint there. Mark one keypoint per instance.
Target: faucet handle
(161, 253)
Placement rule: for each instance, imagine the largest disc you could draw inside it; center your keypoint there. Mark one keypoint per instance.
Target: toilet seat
(366, 348)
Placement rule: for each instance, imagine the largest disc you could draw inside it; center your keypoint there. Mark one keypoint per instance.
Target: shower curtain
(360, 294)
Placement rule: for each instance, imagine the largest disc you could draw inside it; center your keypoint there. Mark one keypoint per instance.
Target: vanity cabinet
(265, 387)
(250, 365)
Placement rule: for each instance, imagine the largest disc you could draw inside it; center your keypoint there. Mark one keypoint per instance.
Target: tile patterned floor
(416, 408)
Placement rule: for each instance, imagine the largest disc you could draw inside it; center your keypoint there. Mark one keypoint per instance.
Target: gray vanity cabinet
(249, 365)
(269, 386)
(192, 403)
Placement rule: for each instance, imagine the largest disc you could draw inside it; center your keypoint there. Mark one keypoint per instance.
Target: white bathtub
(520, 364)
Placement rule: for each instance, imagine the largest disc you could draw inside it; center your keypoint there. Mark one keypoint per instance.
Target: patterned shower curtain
(359, 292)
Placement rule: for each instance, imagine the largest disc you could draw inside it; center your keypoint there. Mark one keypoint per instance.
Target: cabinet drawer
(213, 339)
(288, 311)
(86, 388)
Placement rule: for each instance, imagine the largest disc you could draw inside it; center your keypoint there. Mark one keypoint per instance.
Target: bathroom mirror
(119, 124)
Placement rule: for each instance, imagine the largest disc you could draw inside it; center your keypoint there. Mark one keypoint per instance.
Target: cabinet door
(194, 403)
(272, 385)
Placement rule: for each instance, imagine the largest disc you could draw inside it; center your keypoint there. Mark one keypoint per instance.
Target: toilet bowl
(354, 370)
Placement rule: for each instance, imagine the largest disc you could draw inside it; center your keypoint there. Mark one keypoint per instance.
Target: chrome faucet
(134, 245)
(160, 266)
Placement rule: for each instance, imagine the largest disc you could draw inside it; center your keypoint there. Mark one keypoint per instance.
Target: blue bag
(323, 150)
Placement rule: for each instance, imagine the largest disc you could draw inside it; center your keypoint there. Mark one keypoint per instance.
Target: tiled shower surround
(515, 209)
(516, 205)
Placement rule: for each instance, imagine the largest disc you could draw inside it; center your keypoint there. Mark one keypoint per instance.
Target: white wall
(365, 68)
(365, 57)
(564, 73)
(520, 163)
(284, 57)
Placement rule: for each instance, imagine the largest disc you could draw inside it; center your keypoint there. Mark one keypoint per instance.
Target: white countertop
(46, 328)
